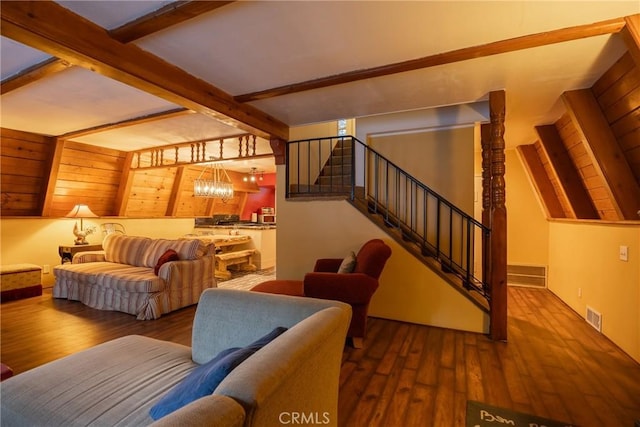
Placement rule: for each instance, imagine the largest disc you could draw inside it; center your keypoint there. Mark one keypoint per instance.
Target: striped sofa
(121, 277)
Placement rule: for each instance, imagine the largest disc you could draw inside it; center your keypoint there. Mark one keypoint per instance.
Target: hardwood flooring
(554, 365)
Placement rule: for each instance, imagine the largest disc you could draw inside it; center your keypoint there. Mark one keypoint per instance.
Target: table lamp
(81, 211)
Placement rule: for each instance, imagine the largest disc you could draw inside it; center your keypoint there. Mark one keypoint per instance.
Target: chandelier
(219, 185)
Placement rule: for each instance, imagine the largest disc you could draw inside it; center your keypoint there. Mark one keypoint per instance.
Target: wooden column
(485, 143)
(498, 218)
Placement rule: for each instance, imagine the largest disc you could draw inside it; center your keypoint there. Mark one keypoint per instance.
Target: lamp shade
(81, 211)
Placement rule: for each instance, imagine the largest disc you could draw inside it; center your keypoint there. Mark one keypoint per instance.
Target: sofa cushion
(125, 249)
(112, 384)
(204, 379)
(169, 255)
(187, 249)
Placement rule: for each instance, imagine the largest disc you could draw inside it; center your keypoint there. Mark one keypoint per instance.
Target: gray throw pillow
(348, 264)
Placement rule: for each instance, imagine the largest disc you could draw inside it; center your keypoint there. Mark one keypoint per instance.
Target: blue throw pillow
(203, 380)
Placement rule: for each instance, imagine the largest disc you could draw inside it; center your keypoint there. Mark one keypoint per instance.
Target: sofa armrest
(328, 265)
(88, 256)
(186, 279)
(303, 364)
(208, 411)
(352, 288)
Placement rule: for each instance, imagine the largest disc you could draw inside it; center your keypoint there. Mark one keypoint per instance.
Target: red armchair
(355, 288)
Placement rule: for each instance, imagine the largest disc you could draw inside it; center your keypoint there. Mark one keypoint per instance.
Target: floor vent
(527, 275)
(594, 319)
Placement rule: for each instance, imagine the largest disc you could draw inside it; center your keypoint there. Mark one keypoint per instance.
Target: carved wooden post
(485, 142)
(498, 218)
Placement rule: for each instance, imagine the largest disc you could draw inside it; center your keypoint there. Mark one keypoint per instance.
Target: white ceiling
(250, 46)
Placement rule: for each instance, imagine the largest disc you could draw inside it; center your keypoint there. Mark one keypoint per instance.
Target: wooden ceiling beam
(605, 152)
(158, 20)
(631, 36)
(566, 173)
(51, 28)
(540, 180)
(464, 54)
(165, 17)
(32, 74)
(129, 122)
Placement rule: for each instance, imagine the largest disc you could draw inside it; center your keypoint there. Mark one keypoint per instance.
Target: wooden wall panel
(541, 181)
(548, 168)
(150, 192)
(593, 183)
(89, 175)
(24, 163)
(565, 172)
(618, 94)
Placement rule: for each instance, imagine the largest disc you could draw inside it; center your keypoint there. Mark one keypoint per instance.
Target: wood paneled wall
(618, 93)
(591, 181)
(89, 175)
(150, 192)
(598, 142)
(42, 176)
(25, 162)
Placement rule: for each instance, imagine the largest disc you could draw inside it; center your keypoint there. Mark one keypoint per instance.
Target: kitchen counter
(250, 226)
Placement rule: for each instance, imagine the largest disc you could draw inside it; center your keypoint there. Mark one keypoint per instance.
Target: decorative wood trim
(176, 192)
(498, 322)
(32, 74)
(165, 17)
(605, 152)
(124, 189)
(464, 54)
(631, 35)
(279, 148)
(129, 122)
(50, 185)
(540, 181)
(566, 174)
(51, 28)
(485, 143)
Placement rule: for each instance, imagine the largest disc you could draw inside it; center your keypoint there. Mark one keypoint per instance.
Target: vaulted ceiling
(136, 74)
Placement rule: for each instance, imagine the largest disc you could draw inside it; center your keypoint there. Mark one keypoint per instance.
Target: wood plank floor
(554, 365)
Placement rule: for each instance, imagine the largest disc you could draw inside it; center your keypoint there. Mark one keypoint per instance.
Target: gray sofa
(116, 383)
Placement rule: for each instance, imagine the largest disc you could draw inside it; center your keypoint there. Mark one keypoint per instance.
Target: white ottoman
(19, 281)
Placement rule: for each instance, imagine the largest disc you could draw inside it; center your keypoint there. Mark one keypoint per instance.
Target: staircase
(428, 226)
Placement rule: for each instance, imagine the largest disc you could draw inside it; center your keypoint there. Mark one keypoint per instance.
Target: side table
(66, 252)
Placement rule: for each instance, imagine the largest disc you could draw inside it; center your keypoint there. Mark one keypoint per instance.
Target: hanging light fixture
(254, 175)
(219, 185)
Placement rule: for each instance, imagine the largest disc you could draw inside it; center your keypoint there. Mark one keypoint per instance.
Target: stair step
(334, 180)
(335, 160)
(300, 189)
(336, 169)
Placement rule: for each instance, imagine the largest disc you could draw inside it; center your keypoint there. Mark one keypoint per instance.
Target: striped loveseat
(122, 276)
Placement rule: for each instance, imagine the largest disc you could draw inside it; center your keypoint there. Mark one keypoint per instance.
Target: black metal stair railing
(344, 166)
